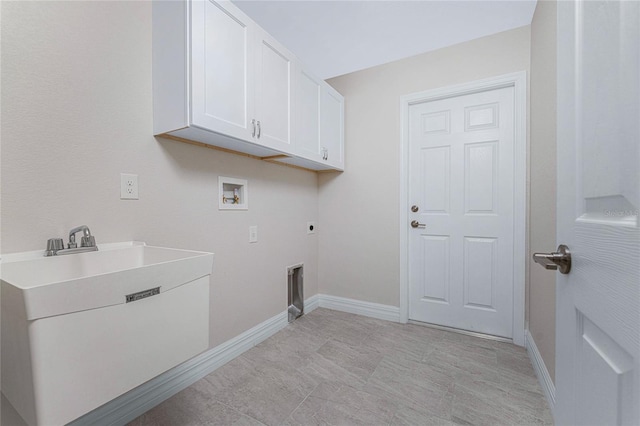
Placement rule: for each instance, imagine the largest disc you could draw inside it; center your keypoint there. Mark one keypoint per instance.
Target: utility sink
(81, 329)
(64, 284)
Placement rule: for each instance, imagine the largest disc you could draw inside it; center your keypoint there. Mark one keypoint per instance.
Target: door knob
(559, 260)
(414, 208)
(416, 224)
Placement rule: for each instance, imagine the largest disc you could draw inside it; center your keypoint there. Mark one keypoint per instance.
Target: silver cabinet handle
(416, 224)
(259, 130)
(253, 135)
(325, 153)
(559, 260)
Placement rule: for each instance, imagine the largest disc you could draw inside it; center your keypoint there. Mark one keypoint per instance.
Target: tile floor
(333, 368)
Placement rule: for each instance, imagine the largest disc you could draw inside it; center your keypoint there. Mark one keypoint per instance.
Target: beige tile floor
(333, 368)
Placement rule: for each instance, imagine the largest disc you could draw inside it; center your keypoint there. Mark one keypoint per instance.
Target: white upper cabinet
(220, 79)
(319, 121)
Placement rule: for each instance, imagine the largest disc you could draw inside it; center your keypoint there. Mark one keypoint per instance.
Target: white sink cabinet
(82, 329)
(221, 80)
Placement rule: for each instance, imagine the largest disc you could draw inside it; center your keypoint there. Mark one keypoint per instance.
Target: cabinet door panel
(273, 93)
(222, 85)
(332, 130)
(308, 118)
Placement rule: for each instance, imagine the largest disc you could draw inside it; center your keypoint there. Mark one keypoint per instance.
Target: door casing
(518, 81)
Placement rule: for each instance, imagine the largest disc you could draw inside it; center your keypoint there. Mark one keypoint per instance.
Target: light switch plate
(253, 234)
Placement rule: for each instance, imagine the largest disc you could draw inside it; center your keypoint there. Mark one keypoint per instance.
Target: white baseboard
(134, 403)
(358, 307)
(540, 368)
(311, 303)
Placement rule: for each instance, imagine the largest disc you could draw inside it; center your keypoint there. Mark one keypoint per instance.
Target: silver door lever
(559, 260)
(416, 224)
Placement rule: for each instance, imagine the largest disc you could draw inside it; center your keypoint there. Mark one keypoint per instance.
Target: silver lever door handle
(416, 224)
(559, 260)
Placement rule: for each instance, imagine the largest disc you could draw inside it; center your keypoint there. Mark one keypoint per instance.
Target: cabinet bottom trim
(270, 159)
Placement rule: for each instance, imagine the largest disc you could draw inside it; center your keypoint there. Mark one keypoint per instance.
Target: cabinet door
(222, 55)
(332, 127)
(308, 107)
(274, 93)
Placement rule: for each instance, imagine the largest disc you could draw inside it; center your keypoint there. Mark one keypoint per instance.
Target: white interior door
(598, 302)
(461, 179)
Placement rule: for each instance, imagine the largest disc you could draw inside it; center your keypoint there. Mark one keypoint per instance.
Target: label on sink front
(142, 294)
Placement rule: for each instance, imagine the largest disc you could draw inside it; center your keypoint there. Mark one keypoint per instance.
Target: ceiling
(338, 37)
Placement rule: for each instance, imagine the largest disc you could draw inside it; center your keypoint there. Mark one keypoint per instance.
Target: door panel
(435, 274)
(436, 122)
(435, 167)
(332, 126)
(481, 178)
(221, 75)
(481, 117)
(274, 93)
(605, 377)
(461, 164)
(598, 302)
(309, 98)
(480, 266)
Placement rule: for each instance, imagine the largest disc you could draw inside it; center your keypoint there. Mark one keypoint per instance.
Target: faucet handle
(53, 245)
(89, 241)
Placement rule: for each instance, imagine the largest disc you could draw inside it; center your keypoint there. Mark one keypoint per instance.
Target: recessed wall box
(233, 194)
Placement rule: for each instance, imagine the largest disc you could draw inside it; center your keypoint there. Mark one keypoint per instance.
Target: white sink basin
(79, 330)
(75, 282)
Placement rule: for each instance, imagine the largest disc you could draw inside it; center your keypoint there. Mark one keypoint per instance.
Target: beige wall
(359, 209)
(76, 112)
(542, 294)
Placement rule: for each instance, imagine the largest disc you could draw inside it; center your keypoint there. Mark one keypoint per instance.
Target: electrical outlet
(128, 186)
(311, 228)
(253, 234)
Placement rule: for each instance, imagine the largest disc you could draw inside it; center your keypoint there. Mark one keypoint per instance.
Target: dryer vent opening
(295, 279)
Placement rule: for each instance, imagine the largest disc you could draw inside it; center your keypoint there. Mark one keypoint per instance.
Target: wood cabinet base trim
(274, 157)
(270, 159)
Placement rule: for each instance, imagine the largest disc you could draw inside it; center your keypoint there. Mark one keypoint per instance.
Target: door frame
(518, 81)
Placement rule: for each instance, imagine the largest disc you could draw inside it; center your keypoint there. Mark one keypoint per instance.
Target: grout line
(302, 402)
(239, 412)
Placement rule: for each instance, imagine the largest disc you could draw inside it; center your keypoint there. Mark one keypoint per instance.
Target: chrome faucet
(87, 240)
(55, 246)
